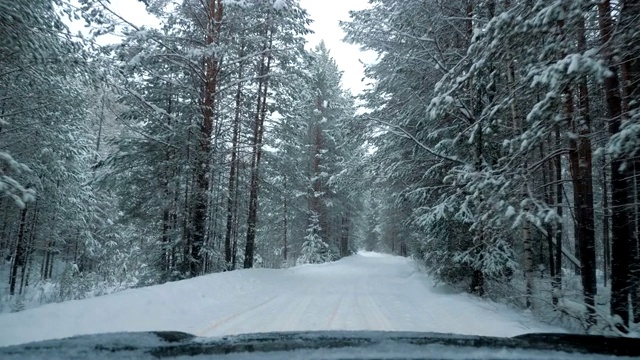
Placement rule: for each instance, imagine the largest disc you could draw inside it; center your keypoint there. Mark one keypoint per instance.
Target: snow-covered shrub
(314, 249)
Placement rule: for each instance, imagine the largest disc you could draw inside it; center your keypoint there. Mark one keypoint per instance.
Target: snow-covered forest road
(367, 291)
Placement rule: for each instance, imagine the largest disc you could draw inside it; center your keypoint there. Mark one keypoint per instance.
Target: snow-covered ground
(367, 291)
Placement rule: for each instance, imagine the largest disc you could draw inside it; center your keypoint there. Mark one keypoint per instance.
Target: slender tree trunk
(51, 258)
(44, 259)
(26, 271)
(44, 270)
(606, 211)
(285, 229)
(622, 231)
(548, 194)
(201, 198)
(164, 237)
(527, 236)
(186, 213)
(48, 260)
(174, 225)
(236, 220)
(164, 241)
(4, 234)
(233, 171)
(628, 30)
(187, 226)
(344, 236)
(99, 137)
(528, 259)
(316, 140)
(258, 131)
(557, 281)
(18, 259)
(164, 261)
(477, 277)
(581, 164)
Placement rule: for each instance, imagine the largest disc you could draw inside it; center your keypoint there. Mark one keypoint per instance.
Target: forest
(497, 144)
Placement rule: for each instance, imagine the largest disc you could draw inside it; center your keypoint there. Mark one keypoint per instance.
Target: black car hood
(327, 345)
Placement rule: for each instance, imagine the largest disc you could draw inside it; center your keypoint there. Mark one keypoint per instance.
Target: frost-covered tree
(47, 86)
(309, 147)
(314, 249)
(483, 121)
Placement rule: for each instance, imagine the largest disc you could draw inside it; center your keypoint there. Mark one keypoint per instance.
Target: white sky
(326, 15)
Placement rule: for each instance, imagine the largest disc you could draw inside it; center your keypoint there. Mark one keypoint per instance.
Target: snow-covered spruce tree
(314, 249)
(328, 108)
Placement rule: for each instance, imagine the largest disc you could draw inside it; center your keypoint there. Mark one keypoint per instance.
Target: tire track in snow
(375, 309)
(370, 312)
(295, 310)
(232, 317)
(335, 311)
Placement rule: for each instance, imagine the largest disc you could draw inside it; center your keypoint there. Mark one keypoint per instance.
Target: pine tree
(314, 249)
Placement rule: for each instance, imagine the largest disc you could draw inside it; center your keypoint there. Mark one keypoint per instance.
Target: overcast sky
(326, 15)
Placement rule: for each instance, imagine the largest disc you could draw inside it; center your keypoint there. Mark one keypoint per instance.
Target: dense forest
(497, 145)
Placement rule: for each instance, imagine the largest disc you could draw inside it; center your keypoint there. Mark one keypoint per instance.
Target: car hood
(327, 345)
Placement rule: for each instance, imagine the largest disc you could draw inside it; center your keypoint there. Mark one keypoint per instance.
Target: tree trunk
(44, 259)
(477, 278)
(630, 72)
(477, 282)
(233, 171)
(557, 281)
(165, 240)
(527, 244)
(606, 243)
(316, 139)
(44, 269)
(47, 266)
(18, 259)
(547, 171)
(200, 198)
(186, 213)
(622, 231)
(26, 270)
(5, 244)
(580, 157)
(236, 220)
(285, 229)
(344, 235)
(258, 131)
(52, 254)
(527, 238)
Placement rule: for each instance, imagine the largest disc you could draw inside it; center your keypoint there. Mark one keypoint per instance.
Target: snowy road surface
(367, 291)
